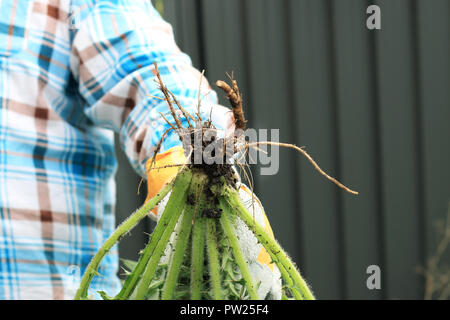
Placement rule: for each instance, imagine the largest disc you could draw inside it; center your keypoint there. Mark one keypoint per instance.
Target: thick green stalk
(132, 279)
(213, 257)
(197, 256)
(152, 265)
(178, 255)
(233, 200)
(287, 277)
(125, 227)
(196, 187)
(237, 252)
(172, 212)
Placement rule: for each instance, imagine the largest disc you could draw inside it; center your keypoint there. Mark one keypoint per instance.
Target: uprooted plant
(194, 252)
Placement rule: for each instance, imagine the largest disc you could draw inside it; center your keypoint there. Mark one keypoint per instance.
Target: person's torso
(56, 169)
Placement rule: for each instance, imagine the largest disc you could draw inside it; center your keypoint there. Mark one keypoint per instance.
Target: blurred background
(372, 107)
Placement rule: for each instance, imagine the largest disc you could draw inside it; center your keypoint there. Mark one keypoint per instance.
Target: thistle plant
(194, 251)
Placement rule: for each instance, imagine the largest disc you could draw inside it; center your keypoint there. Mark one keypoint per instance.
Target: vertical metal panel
(170, 9)
(357, 154)
(311, 67)
(396, 87)
(224, 43)
(433, 25)
(184, 17)
(192, 30)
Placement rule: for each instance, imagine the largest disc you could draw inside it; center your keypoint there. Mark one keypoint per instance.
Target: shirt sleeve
(115, 45)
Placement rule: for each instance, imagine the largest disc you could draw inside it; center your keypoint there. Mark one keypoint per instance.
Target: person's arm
(115, 45)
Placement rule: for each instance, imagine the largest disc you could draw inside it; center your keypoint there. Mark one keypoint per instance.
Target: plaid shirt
(71, 73)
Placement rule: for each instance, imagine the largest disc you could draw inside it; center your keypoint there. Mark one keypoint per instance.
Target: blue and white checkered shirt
(71, 73)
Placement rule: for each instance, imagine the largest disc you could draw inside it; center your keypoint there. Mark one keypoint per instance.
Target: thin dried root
(199, 102)
(167, 121)
(167, 166)
(235, 98)
(165, 91)
(158, 147)
(185, 113)
(316, 166)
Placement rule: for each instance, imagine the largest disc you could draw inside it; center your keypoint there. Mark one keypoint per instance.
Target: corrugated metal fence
(371, 106)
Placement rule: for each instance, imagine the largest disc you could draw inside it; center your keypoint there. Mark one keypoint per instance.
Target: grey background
(372, 107)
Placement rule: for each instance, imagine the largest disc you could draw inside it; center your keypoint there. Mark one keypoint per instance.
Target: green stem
(233, 200)
(177, 259)
(287, 278)
(213, 258)
(198, 256)
(196, 187)
(172, 212)
(125, 227)
(132, 279)
(237, 252)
